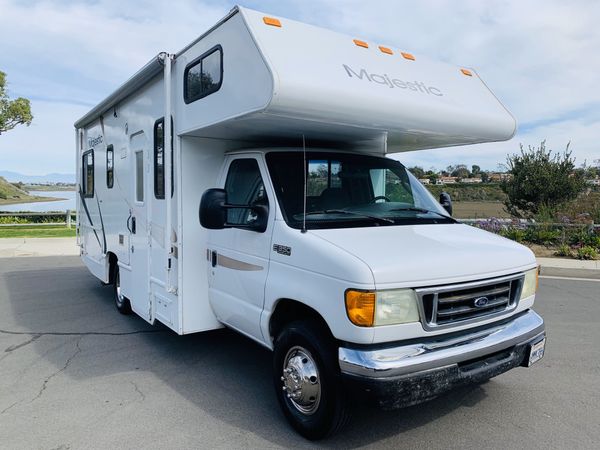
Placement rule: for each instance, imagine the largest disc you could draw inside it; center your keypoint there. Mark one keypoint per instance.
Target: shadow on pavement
(222, 373)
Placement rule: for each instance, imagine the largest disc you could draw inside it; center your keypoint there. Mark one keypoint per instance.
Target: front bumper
(415, 372)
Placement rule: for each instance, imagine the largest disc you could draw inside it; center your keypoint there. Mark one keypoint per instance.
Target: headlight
(375, 308)
(530, 283)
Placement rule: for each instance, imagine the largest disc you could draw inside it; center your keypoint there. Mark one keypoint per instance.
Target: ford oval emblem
(480, 302)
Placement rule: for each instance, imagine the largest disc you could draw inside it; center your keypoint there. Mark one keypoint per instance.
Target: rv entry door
(137, 225)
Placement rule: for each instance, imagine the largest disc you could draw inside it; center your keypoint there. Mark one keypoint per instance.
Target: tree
(540, 181)
(12, 112)
(460, 171)
(417, 171)
(475, 169)
(485, 177)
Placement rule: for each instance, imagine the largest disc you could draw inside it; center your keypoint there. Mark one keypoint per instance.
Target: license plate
(536, 352)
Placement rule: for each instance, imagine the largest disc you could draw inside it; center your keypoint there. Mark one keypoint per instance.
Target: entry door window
(87, 182)
(244, 186)
(139, 176)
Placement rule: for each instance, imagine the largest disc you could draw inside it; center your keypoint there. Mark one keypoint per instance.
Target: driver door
(239, 258)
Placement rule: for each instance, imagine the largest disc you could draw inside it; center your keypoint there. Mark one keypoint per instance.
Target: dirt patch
(479, 210)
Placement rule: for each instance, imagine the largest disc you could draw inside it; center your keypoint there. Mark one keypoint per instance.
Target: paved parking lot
(76, 374)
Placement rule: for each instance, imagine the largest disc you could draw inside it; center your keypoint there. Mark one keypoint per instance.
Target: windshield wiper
(343, 211)
(424, 211)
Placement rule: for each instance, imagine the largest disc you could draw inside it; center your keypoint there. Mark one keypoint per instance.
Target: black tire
(325, 413)
(121, 302)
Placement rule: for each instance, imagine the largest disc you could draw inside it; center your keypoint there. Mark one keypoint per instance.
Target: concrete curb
(570, 268)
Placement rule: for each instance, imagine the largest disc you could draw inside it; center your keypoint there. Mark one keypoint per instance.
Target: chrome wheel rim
(119, 296)
(301, 381)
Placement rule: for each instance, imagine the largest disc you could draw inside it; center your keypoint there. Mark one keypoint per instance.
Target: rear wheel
(307, 380)
(121, 302)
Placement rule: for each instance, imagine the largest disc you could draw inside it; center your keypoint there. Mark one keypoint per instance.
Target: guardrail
(69, 219)
(528, 223)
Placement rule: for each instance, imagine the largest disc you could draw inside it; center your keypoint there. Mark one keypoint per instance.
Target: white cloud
(538, 56)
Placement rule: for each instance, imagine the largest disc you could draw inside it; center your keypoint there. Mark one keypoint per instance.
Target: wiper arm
(424, 211)
(343, 211)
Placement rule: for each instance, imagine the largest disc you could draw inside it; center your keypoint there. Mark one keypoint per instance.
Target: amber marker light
(466, 72)
(360, 307)
(408, 56)
(360, 43)
(386, 50)
(272, 21)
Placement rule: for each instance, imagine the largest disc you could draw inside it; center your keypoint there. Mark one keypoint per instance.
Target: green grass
(36, 232)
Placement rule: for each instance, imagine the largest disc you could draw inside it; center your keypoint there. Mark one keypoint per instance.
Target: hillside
(9, 193)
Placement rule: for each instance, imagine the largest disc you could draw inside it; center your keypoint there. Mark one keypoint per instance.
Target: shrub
(563, 250)
(583, 237)
(516, 234)
(13, 220)
(587, 252)
(542, 235)
(540, 181)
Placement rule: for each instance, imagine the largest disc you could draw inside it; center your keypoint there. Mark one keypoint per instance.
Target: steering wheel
(380, 197)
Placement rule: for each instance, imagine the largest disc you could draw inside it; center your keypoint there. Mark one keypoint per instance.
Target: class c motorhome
(243, 182)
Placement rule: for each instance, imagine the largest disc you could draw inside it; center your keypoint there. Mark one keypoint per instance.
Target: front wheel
(307, 380)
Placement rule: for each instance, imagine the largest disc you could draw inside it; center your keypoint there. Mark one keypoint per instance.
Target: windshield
(350, 190)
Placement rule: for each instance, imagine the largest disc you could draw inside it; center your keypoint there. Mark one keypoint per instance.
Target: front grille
(444, 306)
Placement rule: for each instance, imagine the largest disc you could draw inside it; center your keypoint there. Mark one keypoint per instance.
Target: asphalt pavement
(76, 374)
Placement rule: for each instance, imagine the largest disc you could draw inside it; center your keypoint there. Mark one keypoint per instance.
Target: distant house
(447, 180)
(473, 180)
(593, 181)
(499, 176)
(425, 180)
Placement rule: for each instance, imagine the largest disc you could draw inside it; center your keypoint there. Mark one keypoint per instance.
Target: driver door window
(244, 186)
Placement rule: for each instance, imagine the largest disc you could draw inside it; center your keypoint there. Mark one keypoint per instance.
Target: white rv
(243, 182)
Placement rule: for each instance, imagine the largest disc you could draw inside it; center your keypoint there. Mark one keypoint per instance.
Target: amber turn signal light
(360, 307)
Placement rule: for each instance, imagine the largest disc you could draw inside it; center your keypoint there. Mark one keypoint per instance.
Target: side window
(110, 166)
(139, 176)
(323, 174)
(159, 159)
(204, 75)
(244, 186)
(87, 178)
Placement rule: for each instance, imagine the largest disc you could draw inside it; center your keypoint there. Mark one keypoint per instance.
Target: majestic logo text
(92, 142)
(417, 86)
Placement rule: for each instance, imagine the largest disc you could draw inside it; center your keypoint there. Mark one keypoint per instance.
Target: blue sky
(539, 57)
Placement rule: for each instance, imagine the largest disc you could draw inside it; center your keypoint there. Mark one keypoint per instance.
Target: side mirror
(213, 214)
(214, 207)
(446, 202)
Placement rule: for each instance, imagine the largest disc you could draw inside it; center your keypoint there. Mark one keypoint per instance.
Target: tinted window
(159, 159)
(87, 179)
(204, 76)
(244, 186)
(139, 176)
(110, 166)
